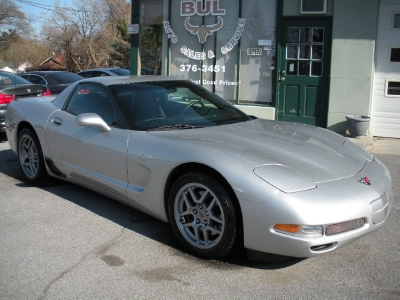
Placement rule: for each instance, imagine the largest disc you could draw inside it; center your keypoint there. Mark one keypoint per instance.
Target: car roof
(101, 69)
(110, 80)
(44, 72)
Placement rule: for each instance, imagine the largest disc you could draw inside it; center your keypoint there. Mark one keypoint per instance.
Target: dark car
(56, 81)
(13, 86)
(99, 72)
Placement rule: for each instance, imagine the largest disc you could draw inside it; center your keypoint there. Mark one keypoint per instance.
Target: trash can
(357, 125)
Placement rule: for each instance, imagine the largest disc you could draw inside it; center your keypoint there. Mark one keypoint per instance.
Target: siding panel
(385, 117)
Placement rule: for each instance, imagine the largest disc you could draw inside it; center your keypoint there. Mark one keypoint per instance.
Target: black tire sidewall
(225, 245)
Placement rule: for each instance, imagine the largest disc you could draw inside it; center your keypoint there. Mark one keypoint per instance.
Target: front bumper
(334, 202)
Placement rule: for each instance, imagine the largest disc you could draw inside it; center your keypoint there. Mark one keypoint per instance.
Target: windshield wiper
(177, 126)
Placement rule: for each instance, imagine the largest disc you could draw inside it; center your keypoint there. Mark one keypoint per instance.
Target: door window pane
(317, 51)
(291, 67)
(316, 69)
(318, 35)
(305, 35)
(291, 51)
(293, 35)
(304, 68)
(304, 51)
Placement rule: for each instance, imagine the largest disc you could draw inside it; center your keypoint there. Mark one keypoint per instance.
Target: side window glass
(37, 79)
(86, 74)
(89, 98)
(100, 74)
(26, 77)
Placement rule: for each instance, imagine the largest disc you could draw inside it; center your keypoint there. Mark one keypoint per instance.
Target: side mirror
(92, 119)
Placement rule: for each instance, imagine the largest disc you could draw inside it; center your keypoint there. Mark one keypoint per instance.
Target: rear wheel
(30, 157)
(202, 215)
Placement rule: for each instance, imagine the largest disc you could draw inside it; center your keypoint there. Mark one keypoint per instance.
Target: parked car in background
(99, 72)
(12, 86)
(56, 81)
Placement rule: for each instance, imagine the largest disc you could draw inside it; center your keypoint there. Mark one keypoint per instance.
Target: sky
(36, 10)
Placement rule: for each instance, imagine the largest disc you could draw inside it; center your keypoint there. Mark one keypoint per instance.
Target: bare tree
(9, 13)
(60, 36)
(116, 10)
(11, 17)
(80, 33)
(88, 21)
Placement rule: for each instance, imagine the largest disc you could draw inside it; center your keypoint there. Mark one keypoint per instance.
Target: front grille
(344, 226)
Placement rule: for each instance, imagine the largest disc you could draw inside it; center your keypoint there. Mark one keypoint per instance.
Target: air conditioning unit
(313, 7)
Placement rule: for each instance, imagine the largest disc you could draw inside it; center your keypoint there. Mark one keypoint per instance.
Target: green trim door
(303, 71)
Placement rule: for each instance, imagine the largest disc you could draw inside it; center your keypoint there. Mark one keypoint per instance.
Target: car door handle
(57, 121)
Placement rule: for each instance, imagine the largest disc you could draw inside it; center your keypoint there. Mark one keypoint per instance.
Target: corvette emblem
(365, 181)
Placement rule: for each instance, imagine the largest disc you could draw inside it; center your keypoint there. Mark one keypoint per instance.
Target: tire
(30, 157)
(203, 216)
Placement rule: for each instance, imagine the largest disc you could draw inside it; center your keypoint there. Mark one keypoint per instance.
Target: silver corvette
(222, 179)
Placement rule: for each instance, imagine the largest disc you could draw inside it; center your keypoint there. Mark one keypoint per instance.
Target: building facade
(307, 61)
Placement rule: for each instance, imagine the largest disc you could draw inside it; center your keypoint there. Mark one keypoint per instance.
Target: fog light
(306, 231)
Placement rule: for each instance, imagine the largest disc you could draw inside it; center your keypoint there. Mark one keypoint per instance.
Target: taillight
(6, 98)
(46, 93)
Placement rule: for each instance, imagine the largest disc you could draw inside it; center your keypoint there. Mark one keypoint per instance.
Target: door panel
(293, 97)
(88, 153)
(303, 71)
(311, 100)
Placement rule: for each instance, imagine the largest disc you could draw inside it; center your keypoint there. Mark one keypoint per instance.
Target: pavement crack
(99, 251)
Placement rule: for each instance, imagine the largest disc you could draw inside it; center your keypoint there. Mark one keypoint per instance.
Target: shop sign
(254, 51)
(133, 28)
(209, 7)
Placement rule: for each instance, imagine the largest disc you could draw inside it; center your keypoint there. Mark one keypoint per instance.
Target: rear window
(11, 79)
(121, 72)
(65, 77)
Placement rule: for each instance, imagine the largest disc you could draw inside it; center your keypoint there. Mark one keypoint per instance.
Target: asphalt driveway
(66, 242)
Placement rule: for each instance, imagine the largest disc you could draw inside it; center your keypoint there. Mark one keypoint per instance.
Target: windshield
(121, 72)
(65, 77)
(172, 105)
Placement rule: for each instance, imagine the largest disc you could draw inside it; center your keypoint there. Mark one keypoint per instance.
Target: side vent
(313, 7)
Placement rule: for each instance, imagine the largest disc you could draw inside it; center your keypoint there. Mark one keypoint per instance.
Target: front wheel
(203, 216)
(30, 157)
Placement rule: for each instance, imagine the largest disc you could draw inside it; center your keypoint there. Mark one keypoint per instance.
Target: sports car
(223, 180)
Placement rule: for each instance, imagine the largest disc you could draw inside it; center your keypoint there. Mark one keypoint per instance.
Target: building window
(396, 20)
(392, 88)
(395, 54)
(227, 46)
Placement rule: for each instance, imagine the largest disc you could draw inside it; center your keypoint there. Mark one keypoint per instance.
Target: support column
(134, 59)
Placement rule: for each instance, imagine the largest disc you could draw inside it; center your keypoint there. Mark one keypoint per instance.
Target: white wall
(385, 119)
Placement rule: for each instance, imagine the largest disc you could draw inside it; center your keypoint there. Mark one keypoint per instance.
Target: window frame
(390, 53)
(392, 21)
(387, 86)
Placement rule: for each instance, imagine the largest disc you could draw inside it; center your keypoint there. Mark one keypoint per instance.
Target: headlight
(284, 178)
(304, 231)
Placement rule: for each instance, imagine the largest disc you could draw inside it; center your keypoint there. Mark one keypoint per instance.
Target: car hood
(316, 153)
